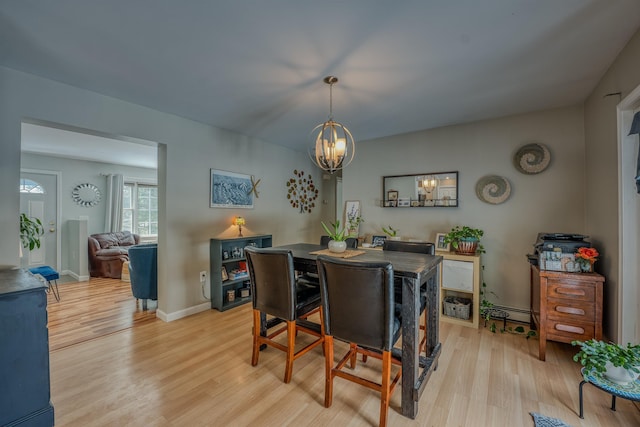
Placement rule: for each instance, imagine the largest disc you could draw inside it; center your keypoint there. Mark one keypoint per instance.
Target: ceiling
(256, 67)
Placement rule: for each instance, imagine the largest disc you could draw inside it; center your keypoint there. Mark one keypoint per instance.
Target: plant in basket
(585, 258)
(465, 240)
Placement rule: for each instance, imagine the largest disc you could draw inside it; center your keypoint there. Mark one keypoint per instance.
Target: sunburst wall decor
(302, 192)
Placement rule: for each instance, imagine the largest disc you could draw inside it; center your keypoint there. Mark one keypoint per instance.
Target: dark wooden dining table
(415, 270)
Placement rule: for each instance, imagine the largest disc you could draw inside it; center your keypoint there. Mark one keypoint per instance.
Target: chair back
(352, 242)
(143, 271)
(273, 283)
(358, 301)
(416, 247)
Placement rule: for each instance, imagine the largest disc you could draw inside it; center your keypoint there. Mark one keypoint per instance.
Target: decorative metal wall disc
(493, 189)
(532, 158)
(86, 195)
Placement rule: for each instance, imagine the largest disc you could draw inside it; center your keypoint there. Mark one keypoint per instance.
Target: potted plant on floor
(30, 231)
(337, 235)
(465, 240)
(617, 363)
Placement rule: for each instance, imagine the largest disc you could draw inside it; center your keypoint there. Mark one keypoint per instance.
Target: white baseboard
(75, 276)
(169, 317)
(516, 314)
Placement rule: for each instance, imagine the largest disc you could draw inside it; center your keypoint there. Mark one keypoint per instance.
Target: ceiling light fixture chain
(333, 145)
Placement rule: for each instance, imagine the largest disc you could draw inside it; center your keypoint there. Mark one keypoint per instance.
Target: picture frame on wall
(440, 244)
(230, 190)
(392, 195)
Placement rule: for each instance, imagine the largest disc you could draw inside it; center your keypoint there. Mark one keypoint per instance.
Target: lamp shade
(238, 220)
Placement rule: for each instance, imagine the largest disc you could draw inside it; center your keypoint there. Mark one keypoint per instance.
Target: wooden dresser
(565, 306)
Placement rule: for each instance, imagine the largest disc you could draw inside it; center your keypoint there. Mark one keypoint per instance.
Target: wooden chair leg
(291, 348)
(385, 387)
(354, 355)
(256, 335)
(328, 366)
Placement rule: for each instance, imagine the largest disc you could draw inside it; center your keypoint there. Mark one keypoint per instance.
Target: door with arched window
(39, 199)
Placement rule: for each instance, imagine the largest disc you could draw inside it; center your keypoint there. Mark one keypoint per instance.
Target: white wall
(552, 201)
(187, 151)
(602, 211)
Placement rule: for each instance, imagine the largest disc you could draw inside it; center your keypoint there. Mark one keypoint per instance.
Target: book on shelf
(238, 274)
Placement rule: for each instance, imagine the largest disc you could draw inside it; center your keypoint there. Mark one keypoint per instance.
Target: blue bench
(50, 275)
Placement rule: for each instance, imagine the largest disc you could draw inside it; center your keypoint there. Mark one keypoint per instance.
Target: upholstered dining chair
(358, 308)
(275, 292)
(415, 247)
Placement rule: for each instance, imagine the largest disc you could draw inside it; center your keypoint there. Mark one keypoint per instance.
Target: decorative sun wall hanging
(302, 192)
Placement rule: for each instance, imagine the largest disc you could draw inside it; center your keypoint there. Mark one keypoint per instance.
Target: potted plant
(30, 232)
(337, 235)
(465, 240)
(391, 232)
(353, 224)
(619, 364)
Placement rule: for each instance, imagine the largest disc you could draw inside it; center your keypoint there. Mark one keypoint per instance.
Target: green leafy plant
(464, 234)
(338, 234)
(594, 355)
(353, 222)
(30, 232)
(391, 232)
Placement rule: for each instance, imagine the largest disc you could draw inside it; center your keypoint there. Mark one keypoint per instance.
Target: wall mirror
(438, 189)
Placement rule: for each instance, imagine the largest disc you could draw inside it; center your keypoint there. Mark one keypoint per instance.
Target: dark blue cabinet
(24, 351)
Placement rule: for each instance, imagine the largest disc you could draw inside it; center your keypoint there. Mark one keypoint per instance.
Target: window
(140, 209)
(29, 186)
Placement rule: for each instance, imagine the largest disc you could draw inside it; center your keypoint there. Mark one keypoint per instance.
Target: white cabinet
(460, 278)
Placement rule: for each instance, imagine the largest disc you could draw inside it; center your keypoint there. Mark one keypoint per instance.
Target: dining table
(417, 271)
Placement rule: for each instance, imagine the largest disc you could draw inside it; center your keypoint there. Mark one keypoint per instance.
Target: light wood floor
(196, 372)
(92, 309)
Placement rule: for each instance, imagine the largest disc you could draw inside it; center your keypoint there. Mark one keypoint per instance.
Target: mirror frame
(391, 200)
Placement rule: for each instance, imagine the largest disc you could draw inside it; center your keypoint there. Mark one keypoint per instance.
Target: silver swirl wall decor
(493, 189)
(86, 195)
(532, 158)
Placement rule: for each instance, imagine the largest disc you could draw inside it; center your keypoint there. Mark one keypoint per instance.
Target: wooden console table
(565, 306)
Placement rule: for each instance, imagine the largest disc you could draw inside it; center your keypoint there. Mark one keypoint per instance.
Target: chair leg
(291, 344)
(328, 366)
(354, 355)
(385, 387)
(256, 336)
(144, 304)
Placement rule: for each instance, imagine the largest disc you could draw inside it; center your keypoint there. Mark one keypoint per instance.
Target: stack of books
(238, 274)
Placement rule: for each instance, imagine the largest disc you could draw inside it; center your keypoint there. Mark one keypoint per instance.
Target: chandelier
(333, 147)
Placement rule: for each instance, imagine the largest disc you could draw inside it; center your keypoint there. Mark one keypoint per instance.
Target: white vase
(337, 247)
(619, 375)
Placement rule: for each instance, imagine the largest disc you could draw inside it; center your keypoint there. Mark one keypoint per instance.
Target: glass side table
(630, 391)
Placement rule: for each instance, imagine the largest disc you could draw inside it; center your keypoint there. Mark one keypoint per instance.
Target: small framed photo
(404, 202)
(415, 203)
(225, 275)
(392, 195)
(378, 241)
(440, 244)
(390, 203)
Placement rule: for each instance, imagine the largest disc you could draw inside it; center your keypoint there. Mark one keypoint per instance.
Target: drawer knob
(571, 291)
(567, 328)
(570, 310)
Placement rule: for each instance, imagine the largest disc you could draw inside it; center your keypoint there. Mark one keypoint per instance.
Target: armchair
(108, 251)
(143, 271)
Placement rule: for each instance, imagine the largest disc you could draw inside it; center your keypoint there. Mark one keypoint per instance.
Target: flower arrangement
(586, 257)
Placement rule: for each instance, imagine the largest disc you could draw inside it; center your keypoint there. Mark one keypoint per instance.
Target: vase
(586, 267)
(337, 247)
(619, 375)
(467, 246)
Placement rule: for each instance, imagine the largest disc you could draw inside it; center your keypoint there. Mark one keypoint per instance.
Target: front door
(41, 203)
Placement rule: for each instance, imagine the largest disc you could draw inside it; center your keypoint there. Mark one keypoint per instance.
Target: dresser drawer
(565, 331)
(570, 310)
(567, 290)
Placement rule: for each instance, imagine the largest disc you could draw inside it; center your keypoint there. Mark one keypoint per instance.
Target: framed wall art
(230, 190)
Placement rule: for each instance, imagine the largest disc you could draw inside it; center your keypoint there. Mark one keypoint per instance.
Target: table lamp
(239, 221)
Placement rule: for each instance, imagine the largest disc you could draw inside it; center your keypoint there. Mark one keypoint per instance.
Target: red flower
(589, 254)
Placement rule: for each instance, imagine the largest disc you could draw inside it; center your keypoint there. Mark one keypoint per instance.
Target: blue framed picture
(230, 190)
